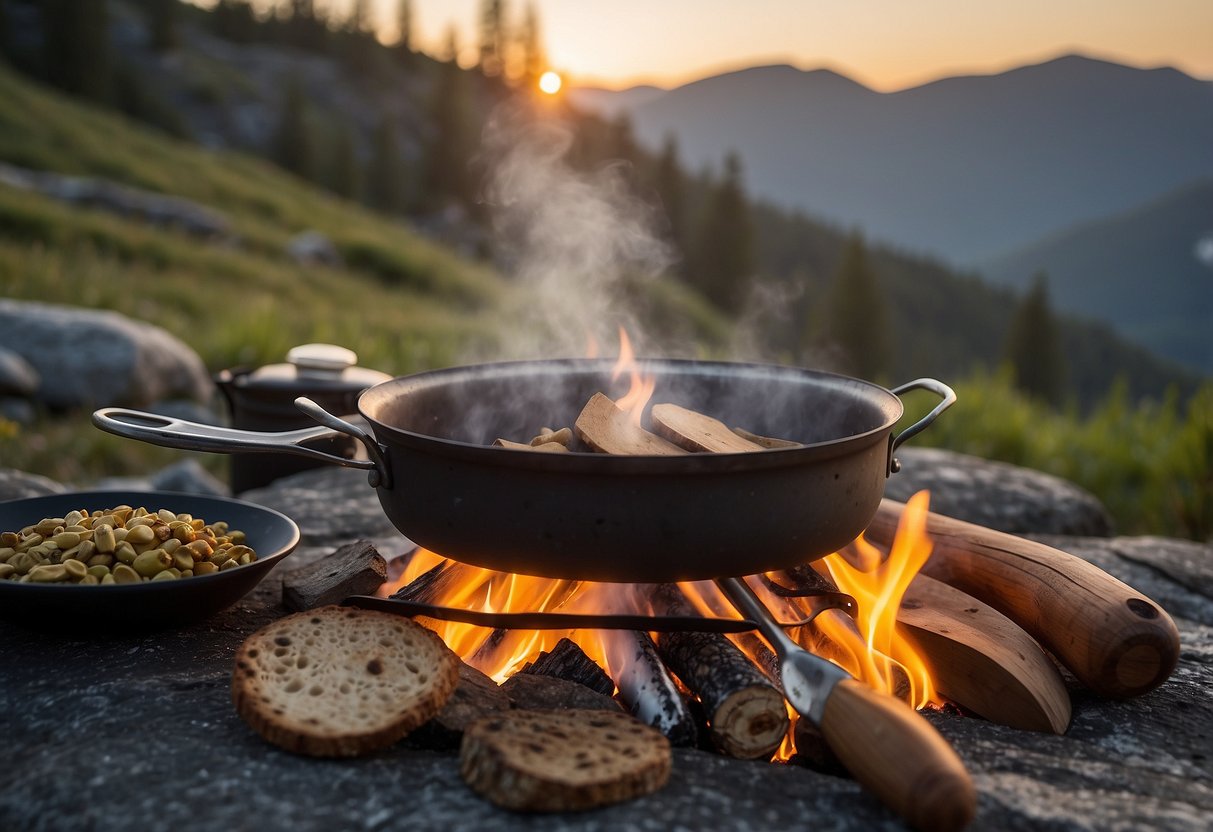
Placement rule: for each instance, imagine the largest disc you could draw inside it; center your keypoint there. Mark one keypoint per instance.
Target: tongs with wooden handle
(890, 749)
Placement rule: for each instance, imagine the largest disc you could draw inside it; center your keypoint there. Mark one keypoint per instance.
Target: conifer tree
(450, 146)
(534, 61)
(76, 47)
(162, 21)
(857, 316)
(385, 174)
(492, 37)
(724, 256)
(292, 144)
(404, 23)
(1033, 346)
(4, 47)
(670, 184)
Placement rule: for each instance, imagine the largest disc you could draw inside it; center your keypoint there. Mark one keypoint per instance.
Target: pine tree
(492, 37)
(234, 21)
(857, 315)
(344, 178)
(1033, 346)
(385, 173)
(162, 21)
(76, 47)
(404, 23)
(670, 184)
(292, 143)
(450, 146)
(534, 61)
(724, 255)
(4, 47)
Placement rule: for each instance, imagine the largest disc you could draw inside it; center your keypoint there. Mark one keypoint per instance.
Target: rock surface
(998, 495)
(137, 731)
(17, 485)
(17, 377)
(87, 358)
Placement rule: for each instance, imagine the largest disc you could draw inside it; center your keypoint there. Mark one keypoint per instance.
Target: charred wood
(746, 713)
(535, 693)
(569, 662)
(475, 697)
(355, 569)
(652, 696)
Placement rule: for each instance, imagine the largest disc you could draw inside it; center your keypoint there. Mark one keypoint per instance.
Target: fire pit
(145, 724)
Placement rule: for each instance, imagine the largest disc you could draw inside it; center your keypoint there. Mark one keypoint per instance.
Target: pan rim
(890, 404)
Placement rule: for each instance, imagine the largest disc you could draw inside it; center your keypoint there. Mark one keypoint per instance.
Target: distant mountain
(610, 103)
(1148, 272)
(965, 168)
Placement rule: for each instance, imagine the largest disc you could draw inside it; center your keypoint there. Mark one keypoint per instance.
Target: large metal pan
(598, 517)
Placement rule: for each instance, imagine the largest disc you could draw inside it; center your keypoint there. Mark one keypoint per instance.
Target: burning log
(355, 569)
(569, 662)
(547, 693)
(646, 688)
(607, 429)
(982, 660)
(1115, 640)
(746, 713)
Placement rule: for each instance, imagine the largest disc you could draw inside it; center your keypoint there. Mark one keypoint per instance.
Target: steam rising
(578, 243)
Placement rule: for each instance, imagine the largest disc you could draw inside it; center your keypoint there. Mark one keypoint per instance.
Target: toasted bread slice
(560, 761)
(340, 682)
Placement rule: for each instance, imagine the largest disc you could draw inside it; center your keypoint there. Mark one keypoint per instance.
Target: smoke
(579, 245)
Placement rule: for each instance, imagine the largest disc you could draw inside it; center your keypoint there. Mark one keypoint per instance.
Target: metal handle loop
(946, 393)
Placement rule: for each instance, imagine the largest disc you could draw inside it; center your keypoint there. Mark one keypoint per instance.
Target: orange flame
(874, 652)
(880, 655)
(638, 395)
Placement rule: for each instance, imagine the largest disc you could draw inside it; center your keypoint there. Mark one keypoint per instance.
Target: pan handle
(948, 396)
(195, 436)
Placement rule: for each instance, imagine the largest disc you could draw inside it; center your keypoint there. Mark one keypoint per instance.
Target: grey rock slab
(90, 358)
(17, 376)
(17, 485)
(994, 494)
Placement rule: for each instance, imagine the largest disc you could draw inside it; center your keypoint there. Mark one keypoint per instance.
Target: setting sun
(550, 82)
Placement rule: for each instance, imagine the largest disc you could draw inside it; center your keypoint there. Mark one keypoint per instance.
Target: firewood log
(746, 713)
(697, 432)
(646, 688)
(355, 569)
(1118, 642)
(569, 662)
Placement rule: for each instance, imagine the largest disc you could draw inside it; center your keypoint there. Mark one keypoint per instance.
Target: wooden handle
(899, 757)
(1118, 642)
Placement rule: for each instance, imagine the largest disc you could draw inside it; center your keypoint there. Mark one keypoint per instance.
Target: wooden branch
(1118, 642)
(607, 429)
(746, 713)
(649, 692)
(355, 569)
(697, 432)
(569, 662)
(982, 660)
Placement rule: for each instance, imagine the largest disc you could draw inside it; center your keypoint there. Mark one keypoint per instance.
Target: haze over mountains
(1089, 170)
(965, 168)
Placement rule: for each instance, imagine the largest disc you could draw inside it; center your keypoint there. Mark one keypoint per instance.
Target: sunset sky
(886, 44)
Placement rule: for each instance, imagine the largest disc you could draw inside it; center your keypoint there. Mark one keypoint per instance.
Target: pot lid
(315, 367)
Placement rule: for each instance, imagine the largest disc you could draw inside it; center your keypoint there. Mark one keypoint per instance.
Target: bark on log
(355, 569)
(569, 662)
(746, 713)
(649, 692)
(536, 693)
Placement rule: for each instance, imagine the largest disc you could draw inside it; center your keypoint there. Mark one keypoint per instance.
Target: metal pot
(599, 517)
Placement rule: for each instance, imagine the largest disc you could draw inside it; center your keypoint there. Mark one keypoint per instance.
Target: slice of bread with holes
(340, 682)
(562, 761)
